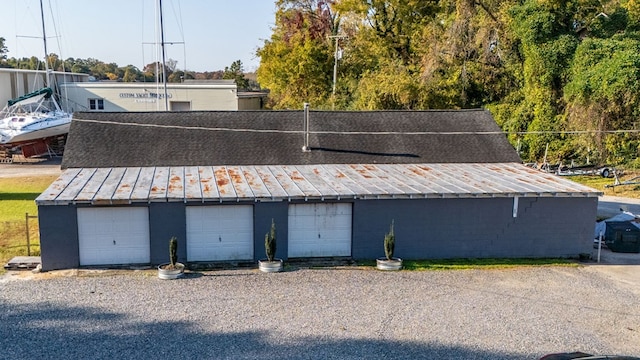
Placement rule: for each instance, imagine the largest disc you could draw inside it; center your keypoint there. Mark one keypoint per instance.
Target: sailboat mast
(164, 70)
(46, 53)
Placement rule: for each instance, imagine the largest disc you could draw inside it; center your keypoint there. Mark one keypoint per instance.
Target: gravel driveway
(338, 313)
(346, 313)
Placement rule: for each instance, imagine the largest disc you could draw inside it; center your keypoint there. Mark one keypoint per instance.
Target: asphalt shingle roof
(127, 139)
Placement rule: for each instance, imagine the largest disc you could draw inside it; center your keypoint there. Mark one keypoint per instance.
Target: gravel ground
(337, 313)
(343, 313)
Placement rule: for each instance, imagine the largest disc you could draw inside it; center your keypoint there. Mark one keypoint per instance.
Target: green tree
(297, 61)
(151, 69)
(236, 72)
(3, 49)
(131, 74)
(544, 38)
(603, 95)
(381, 67)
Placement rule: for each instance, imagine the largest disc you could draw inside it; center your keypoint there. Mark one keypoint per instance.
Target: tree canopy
(129, 73)
(557, 75)
(236, 72)
(3, 49)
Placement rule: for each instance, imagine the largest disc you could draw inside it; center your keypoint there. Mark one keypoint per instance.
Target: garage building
(331, 181)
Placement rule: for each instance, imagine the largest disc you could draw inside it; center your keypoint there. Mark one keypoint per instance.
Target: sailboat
(34, 118)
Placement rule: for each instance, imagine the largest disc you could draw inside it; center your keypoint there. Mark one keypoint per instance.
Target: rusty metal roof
(304, 182)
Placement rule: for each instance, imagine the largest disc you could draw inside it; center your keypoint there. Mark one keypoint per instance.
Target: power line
(201, 128)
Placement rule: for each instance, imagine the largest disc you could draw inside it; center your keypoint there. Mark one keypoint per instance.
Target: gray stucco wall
(59, 246)
(167, 220)
(262, 215)
(424, 228)
(475, 228)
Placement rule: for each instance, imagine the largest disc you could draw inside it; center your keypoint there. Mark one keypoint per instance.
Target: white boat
(34, 117)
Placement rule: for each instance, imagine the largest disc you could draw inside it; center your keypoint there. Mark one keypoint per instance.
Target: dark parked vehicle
(584, 356)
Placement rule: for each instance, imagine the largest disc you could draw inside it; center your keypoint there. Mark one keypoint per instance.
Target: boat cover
(47, 92)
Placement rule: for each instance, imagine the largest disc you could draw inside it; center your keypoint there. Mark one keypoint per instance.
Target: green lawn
(467, 264)
(17, 197)
(599, 183)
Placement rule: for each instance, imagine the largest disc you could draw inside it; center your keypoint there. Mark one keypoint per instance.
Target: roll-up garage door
(222, 232)
(319, 230)
(110, 236)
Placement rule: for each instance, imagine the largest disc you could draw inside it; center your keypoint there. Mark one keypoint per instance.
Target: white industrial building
(77, 93)
(185, 96)
(17, 82)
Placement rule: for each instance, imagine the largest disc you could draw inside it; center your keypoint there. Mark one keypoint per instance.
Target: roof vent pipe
(305, 124)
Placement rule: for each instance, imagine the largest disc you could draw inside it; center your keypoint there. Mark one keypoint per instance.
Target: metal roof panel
(91, 188)
(142, 187)
(192, 188)
(159, 184)
(125, 187)
(58, 186)
(109, 185)
(280, 182)
(208, 185)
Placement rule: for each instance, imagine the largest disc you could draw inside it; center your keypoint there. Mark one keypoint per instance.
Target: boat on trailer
(34, 119)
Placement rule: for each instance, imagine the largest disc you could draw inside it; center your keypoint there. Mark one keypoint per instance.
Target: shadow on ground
(46, 330)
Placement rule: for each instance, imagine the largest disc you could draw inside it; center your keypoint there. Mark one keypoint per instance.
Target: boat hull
(41, 130)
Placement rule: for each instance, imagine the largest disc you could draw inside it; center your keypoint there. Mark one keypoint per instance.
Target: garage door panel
(112, 236)
(318, 230)
(122, 254)
(220, 233)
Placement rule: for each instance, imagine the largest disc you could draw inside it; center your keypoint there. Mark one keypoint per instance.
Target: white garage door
(317, 230)
(110, 236)
(220, 233)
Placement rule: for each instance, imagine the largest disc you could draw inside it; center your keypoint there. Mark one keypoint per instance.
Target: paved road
(609, 206)
(46, 167)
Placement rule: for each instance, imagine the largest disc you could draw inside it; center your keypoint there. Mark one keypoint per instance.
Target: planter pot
(386, 264)
(276, 265)
(170, 274)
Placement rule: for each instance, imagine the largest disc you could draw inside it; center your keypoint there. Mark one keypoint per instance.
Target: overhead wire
(204, 128)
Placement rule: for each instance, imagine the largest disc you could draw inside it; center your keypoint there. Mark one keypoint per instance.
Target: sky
(208, 35)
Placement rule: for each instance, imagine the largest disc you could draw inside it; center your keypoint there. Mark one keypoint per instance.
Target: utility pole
(164, 70)
(335, 63)
(46, 53)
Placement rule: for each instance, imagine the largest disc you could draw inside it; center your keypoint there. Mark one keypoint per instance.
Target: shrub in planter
(270, 242)
(389, 243)
(173, 269)
(270, 264)
(389, 262)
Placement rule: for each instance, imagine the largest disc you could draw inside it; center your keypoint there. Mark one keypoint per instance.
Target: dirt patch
(15, 275)
(44, 167)
(627, 276)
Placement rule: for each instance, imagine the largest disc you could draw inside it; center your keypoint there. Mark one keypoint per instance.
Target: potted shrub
(174, 269)
(270, 264)
(389, 262)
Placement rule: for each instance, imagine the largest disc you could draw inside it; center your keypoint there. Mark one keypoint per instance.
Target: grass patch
(17, 197)
(468, 264)
(598, 182)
